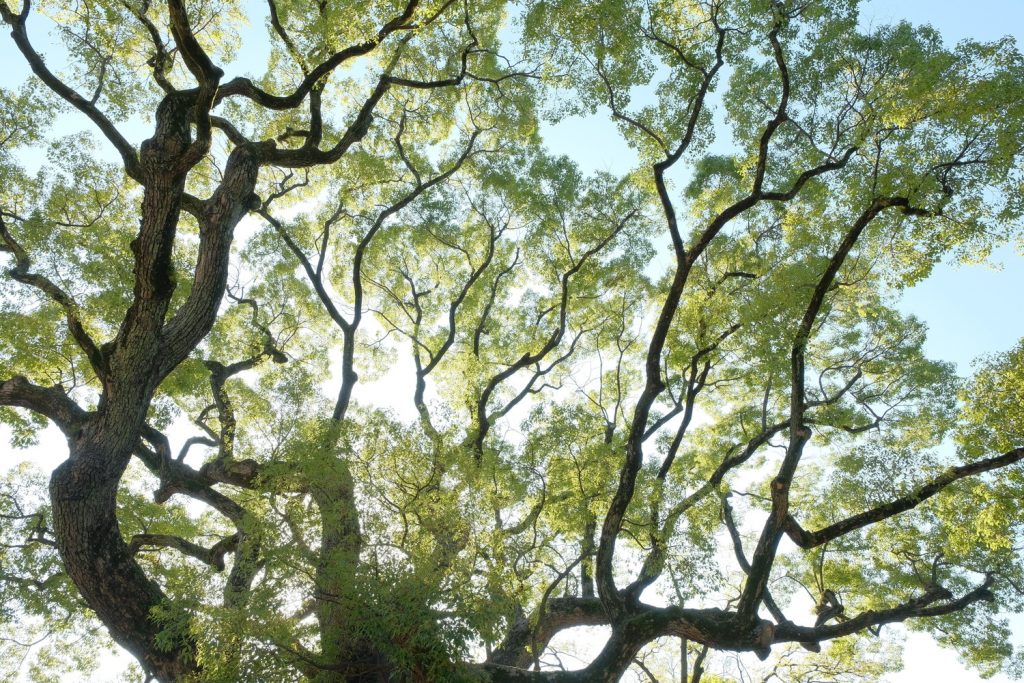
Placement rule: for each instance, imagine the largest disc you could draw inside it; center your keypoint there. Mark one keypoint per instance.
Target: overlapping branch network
(506, 297)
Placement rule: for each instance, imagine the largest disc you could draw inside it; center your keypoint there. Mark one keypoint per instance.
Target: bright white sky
(970, 311)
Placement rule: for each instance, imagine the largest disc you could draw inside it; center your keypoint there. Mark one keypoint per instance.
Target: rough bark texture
(83, 489)
(98, 560)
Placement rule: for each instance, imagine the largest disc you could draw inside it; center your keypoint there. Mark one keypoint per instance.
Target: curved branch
(22, 274)
(246, 88)
(799, 434)
(49, 401)
(129, 157)
(936, 602)
(213, 556)
(559, 614)
(812, 539)
(685, 260)
(529, 358)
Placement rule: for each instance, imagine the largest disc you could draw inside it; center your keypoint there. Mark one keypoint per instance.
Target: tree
(679, 403)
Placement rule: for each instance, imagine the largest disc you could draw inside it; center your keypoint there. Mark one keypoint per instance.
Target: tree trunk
(83, 493)
(351, 659)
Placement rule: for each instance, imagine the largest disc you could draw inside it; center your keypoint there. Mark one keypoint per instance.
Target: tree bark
(83, 490)
(83, 494)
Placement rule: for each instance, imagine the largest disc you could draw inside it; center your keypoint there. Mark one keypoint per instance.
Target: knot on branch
(764, 636)
(237, 472)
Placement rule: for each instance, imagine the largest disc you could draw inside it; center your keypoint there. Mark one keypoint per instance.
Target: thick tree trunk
(83, 494)
(349, 657)
(83, 490)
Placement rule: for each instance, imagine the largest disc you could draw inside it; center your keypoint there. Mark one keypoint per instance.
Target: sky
(970, 310)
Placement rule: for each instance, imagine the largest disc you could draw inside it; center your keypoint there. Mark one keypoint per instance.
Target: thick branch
(559, 614)
(812, 539)
(49, 401)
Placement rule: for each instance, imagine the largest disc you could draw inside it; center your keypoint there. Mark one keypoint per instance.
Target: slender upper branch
(35, 61)
(530, 358)
(685, 260)
(22, 273)
(799, 433)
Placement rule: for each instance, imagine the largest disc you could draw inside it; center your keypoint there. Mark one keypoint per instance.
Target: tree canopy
(360, 382)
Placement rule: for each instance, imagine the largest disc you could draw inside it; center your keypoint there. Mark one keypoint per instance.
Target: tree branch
(213, 556)
(17, 22)
(49, 401)
(812, 539)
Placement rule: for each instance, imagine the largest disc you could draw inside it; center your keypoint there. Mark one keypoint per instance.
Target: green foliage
(497, 305)
(993, 418)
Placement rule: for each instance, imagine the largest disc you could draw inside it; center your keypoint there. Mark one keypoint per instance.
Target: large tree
(359, 383)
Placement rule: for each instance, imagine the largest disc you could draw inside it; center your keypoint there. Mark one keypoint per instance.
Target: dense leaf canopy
(359, 382)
